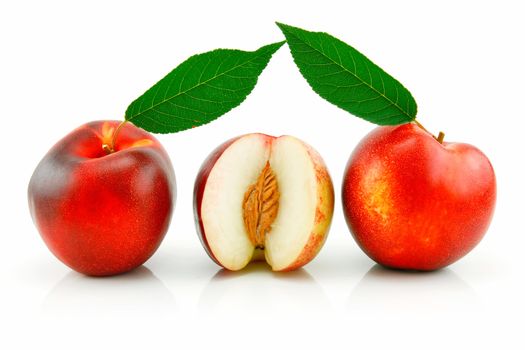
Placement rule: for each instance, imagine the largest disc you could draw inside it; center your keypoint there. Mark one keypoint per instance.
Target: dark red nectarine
(103, 208)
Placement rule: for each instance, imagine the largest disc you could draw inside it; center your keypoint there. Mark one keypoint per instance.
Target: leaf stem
(439, 138)
(420, 125)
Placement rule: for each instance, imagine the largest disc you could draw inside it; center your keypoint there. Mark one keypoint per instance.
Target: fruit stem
(111, 148)
(439, 138)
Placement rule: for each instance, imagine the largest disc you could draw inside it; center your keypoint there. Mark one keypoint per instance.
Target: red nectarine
(413, 202)
(103, 206)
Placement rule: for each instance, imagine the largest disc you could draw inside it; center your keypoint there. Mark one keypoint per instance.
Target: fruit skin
(413, 203)
(324, 211)
(103, 214)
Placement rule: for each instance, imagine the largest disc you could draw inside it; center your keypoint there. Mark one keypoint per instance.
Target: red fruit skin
(413, 203)
(103, 214)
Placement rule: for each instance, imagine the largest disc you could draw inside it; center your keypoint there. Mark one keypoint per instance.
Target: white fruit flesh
(222, 205)
(238, 167)
(291, 229)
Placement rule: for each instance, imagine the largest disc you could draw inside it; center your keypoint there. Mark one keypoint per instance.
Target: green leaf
(200, 89)
(343, 76)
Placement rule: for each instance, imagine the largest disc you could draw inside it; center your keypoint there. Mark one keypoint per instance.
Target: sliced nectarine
(259, 195)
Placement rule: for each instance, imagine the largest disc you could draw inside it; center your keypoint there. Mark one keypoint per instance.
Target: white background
(64, 64)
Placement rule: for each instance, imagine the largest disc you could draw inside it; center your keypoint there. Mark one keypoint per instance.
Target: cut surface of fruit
(238, 167)
(295, 222)
(267, 194)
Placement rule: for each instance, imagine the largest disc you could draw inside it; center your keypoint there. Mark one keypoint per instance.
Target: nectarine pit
(260, 206)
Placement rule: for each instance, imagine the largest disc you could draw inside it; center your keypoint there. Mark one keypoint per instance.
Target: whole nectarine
(412, 201)
(103, 204)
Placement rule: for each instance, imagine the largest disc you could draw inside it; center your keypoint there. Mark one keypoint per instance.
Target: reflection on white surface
(391, 293)
(259, 290)
(132, 293)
